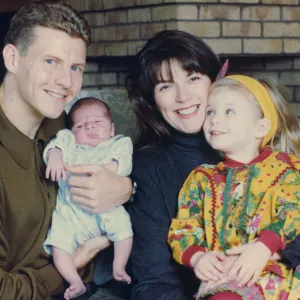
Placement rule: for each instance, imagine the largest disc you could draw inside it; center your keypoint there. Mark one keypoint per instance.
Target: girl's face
(183, 100)
(233, 124)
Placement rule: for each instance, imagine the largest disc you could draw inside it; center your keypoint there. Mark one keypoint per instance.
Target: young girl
(250, 199)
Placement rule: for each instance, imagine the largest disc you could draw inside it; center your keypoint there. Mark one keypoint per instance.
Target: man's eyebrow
(51, 56)
(82, 64)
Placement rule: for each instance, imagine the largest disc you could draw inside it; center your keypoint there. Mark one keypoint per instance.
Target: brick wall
(259, 36)
(229, 26)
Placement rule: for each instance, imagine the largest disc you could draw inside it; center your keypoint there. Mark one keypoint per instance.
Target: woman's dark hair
(194, 56)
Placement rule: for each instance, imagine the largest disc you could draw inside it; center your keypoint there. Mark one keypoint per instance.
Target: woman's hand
(208, 266)
(86, 252)
(98, 189)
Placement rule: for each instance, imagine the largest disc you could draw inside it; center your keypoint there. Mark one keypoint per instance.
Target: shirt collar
(230, 163)
(18, 145)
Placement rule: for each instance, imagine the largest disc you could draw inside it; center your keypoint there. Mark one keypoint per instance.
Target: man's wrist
(125, 190)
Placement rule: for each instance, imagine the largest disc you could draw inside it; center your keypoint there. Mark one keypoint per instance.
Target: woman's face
(182, 102)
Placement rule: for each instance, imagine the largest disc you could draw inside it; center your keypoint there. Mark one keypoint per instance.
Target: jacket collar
(230, 163)
(18, 145)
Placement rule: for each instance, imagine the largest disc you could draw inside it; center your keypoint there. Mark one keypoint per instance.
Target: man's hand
(98, 189)
(248, 267)
(208, 266)
(55, 167)
(86, 252)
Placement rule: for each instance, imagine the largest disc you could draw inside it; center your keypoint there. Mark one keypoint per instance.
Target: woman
(169, 88)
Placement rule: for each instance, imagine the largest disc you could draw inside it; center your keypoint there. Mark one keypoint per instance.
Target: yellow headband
(265, 101)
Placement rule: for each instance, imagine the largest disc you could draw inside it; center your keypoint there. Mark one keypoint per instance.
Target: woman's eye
(229, 111)
(195, 78)
(209, 113)
(79, 126)
(164, 87)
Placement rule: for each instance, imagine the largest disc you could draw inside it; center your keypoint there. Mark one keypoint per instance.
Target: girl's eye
(79, 126)
(229, 111)
(209, 113)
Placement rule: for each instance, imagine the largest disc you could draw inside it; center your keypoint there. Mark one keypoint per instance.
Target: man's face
(50, 74)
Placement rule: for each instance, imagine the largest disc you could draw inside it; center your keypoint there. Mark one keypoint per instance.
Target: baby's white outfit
(72, 226)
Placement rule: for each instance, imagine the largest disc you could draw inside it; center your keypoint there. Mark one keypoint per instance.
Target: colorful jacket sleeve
(187, 234)
(284, 226)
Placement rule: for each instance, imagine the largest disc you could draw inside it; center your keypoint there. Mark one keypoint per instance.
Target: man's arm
(27, 283)
(152, 263)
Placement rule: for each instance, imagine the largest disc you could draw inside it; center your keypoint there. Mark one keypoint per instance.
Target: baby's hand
(55, 167)
(208, 266)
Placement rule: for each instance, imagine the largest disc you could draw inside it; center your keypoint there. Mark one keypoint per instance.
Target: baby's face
(92, 125)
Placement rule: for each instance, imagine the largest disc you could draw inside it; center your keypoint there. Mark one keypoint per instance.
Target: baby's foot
(121, 275)
(76, 289)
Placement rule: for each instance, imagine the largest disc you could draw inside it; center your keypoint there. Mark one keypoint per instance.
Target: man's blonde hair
(54, 15)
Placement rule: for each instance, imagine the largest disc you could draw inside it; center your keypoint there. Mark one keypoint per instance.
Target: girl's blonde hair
(287, 137)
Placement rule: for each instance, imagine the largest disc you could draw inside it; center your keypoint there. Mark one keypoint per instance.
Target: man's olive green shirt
(27, 201)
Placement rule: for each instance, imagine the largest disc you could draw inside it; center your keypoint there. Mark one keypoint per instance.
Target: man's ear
(263, 128)
(11, 57)
(112, 129)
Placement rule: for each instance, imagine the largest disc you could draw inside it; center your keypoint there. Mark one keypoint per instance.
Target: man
(44, 55)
